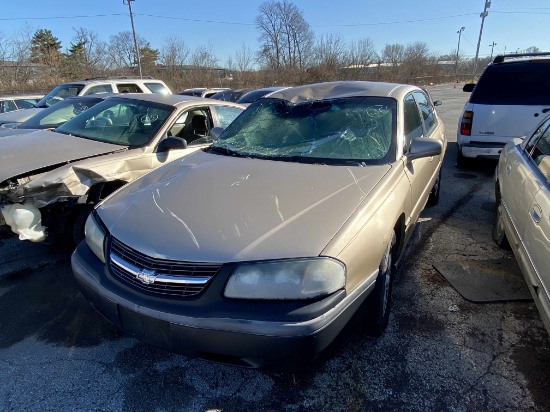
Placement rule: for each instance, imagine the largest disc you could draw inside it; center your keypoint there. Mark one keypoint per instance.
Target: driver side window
(412, 120)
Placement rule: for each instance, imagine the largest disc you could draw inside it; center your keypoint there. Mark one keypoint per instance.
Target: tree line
(288, 53)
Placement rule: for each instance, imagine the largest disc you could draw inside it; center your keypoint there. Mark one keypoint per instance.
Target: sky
(226, 26)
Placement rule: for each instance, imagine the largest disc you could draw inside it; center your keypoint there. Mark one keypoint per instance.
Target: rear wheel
(499, 235)
(433, 199)
(461, 161)
(379, 301)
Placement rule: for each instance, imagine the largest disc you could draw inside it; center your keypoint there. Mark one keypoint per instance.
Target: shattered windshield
(127, 122)
(353, 129)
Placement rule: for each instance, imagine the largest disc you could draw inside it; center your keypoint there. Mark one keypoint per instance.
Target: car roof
(171, 99)
(333, 90)
(511, 58)
(20, 95)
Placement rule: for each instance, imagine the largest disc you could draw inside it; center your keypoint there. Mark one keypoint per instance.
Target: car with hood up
(259, 250)
(50, 180)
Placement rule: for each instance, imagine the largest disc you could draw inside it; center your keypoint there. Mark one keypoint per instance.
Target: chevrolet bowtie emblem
(146, 276)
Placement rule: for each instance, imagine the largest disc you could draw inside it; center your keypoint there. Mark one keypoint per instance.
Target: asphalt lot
(441, 352)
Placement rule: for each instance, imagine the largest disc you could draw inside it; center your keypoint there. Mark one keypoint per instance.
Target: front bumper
(248, 339)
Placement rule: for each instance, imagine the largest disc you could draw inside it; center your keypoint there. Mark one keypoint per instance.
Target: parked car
(18, 101)
(254, 95)
(258, 250)
(202, 91)
(55, 115)
(111, 84)
(50, 180)
(230, 95)
(507, 101)
(522, 213)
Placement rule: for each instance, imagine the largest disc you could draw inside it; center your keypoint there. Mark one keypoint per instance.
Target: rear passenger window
(413, 122)
(539, 148)
(9, 106)
(129, 88)
(427, 111)
(100, 88)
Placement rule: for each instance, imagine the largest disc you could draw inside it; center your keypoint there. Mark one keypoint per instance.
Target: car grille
(158, 276)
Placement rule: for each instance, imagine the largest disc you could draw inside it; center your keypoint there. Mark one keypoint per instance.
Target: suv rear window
(517, 83)
(157, 88)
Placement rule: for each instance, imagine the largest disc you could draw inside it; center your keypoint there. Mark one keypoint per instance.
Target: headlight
(9, 125)
(286, 279)
(95, 237)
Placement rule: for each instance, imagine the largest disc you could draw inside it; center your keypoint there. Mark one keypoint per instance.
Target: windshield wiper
(225, 151)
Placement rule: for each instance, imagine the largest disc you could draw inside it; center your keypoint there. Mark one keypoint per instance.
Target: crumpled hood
(22, 153)
(213, 208)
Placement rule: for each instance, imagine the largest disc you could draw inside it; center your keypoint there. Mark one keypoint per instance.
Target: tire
(499, 235)
(379, 301)
(433, 199)
(76, 230)
(461, 161)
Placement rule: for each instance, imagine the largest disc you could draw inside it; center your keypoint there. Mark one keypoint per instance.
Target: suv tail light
(466, 123)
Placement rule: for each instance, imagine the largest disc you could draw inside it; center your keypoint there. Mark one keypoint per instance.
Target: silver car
(50, 180)
(258, 250)
(522, 213)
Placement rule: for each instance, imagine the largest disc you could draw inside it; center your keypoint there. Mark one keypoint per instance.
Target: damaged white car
(50, 180)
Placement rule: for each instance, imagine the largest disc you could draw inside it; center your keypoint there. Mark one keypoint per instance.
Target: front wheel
(378, 304)
(76, 232)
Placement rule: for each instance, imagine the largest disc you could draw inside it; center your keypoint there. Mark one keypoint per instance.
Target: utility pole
(482, 15)
(492, 46)
(457, 49)
(129, 3)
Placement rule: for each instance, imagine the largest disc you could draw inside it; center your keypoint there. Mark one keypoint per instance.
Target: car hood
(19, 116)
(26, 152)
(213, 208)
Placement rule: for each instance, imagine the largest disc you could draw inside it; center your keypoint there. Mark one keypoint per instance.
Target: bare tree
(360, 56)
(174, 54)
(286, 38)
(393, 54)
(330, 51)
(121, 51)
(95, 60)
(205, 71)
(244, 59)
(20, 73)
(415, 62)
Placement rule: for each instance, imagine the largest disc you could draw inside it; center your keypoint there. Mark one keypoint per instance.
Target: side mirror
(437, 103)
(171, 143)
(468, 87)
(215, 132)
(424, 147)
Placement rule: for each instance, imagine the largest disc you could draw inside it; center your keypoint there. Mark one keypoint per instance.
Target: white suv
(508, 101)
(111, 84)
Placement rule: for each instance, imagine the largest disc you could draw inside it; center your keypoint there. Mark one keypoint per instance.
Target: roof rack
(119, 77)
(501, 57)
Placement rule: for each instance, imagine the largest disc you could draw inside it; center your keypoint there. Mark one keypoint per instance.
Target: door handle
(508, 169)
(536, 213)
